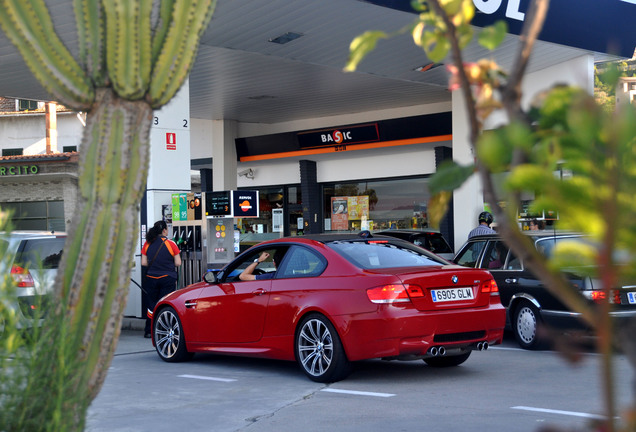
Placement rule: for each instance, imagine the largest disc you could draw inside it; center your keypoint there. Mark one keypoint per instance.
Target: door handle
(258, 292)
(511, 280)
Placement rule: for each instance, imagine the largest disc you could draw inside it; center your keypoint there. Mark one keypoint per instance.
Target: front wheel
(319, 351)
(525, 325)
(447, 361)
(169, 338)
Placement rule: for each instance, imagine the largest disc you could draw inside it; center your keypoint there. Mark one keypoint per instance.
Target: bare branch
(511, 94)
(456, 51)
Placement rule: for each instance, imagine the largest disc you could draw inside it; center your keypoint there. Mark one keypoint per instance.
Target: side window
(232, 274)
(468, 256)
(301, 262)
(495, 256)
(514, 263)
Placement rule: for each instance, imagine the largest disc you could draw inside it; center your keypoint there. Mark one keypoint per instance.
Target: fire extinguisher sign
(171, 141)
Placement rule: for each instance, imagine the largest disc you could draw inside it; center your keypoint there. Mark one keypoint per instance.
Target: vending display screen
(218, 204)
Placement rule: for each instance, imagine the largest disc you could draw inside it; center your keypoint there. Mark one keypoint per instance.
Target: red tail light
(394, 293)
(617, 296)
(414, 291)
(490, 286)
(22, 277)
(599, 296)
(388, 294)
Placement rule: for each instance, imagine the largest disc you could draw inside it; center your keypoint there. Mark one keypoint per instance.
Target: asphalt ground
(502, 389)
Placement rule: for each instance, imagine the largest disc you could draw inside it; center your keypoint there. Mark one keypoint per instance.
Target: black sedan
(529, 304)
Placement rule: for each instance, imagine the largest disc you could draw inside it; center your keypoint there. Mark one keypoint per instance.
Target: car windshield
(433, 242)
(382, 254)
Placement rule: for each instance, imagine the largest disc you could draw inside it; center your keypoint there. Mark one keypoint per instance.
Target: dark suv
(33, 259)
(527, 301)
(428, 239)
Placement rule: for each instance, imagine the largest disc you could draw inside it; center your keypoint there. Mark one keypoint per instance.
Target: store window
(376, 204)
(280, 210)
(37, 215)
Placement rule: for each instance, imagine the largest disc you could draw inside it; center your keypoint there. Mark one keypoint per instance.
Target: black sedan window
(495, 256)
(470, 254)
(432, 242)
(382, 254)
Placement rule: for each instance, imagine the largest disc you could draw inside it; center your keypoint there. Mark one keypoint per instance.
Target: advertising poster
(339, 213)
(166, 213)
(176, 210)
(183, 206)
(190, 210)
(197, 204)
(358, 207)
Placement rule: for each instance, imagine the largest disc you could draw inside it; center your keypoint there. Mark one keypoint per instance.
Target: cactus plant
(128, 66)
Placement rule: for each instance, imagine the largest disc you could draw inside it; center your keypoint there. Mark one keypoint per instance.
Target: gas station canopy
(271, 61)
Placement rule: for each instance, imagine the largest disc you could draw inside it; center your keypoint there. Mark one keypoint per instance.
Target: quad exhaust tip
(437, 351)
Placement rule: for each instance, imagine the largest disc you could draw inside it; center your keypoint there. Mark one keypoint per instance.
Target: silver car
(32, 259)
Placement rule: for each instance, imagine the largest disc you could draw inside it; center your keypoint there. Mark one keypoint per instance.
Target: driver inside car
(248, 273)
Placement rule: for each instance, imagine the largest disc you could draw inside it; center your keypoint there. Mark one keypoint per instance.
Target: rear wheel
(525, 325)
(319, 351)
(447, 361)
(169, 338)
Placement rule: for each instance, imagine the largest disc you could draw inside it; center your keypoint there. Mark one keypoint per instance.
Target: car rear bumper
(573, 320)
(397, 332)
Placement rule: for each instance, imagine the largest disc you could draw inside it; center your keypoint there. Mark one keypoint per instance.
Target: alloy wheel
(167, 334)
(315, 347)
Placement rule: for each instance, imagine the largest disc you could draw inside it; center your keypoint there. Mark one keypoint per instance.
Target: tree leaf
(436, 46)
(361, 46)
(449, 176)
(437, 207)
(492, 36)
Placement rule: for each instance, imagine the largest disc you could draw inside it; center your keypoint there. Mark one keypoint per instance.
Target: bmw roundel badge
(454, 279)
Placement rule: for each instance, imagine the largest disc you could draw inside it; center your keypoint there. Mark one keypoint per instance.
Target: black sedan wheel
(525, 324)
(447, 361)
(319, 351)
(169, 338)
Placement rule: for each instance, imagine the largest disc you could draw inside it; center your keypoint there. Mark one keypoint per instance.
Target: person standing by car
(161, 256)
(485, 219)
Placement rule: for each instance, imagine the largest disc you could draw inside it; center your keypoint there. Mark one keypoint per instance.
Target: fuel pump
(189, 235)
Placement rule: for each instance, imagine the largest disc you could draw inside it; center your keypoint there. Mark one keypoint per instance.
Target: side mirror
(210, 276)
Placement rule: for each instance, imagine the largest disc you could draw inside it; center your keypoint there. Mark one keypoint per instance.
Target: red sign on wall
(171, 141)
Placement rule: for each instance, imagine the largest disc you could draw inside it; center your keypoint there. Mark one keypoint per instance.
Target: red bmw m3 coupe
(326, 301)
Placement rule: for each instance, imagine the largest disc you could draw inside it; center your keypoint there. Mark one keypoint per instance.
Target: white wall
(200, 138)
(351, 165)
(28, 131)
